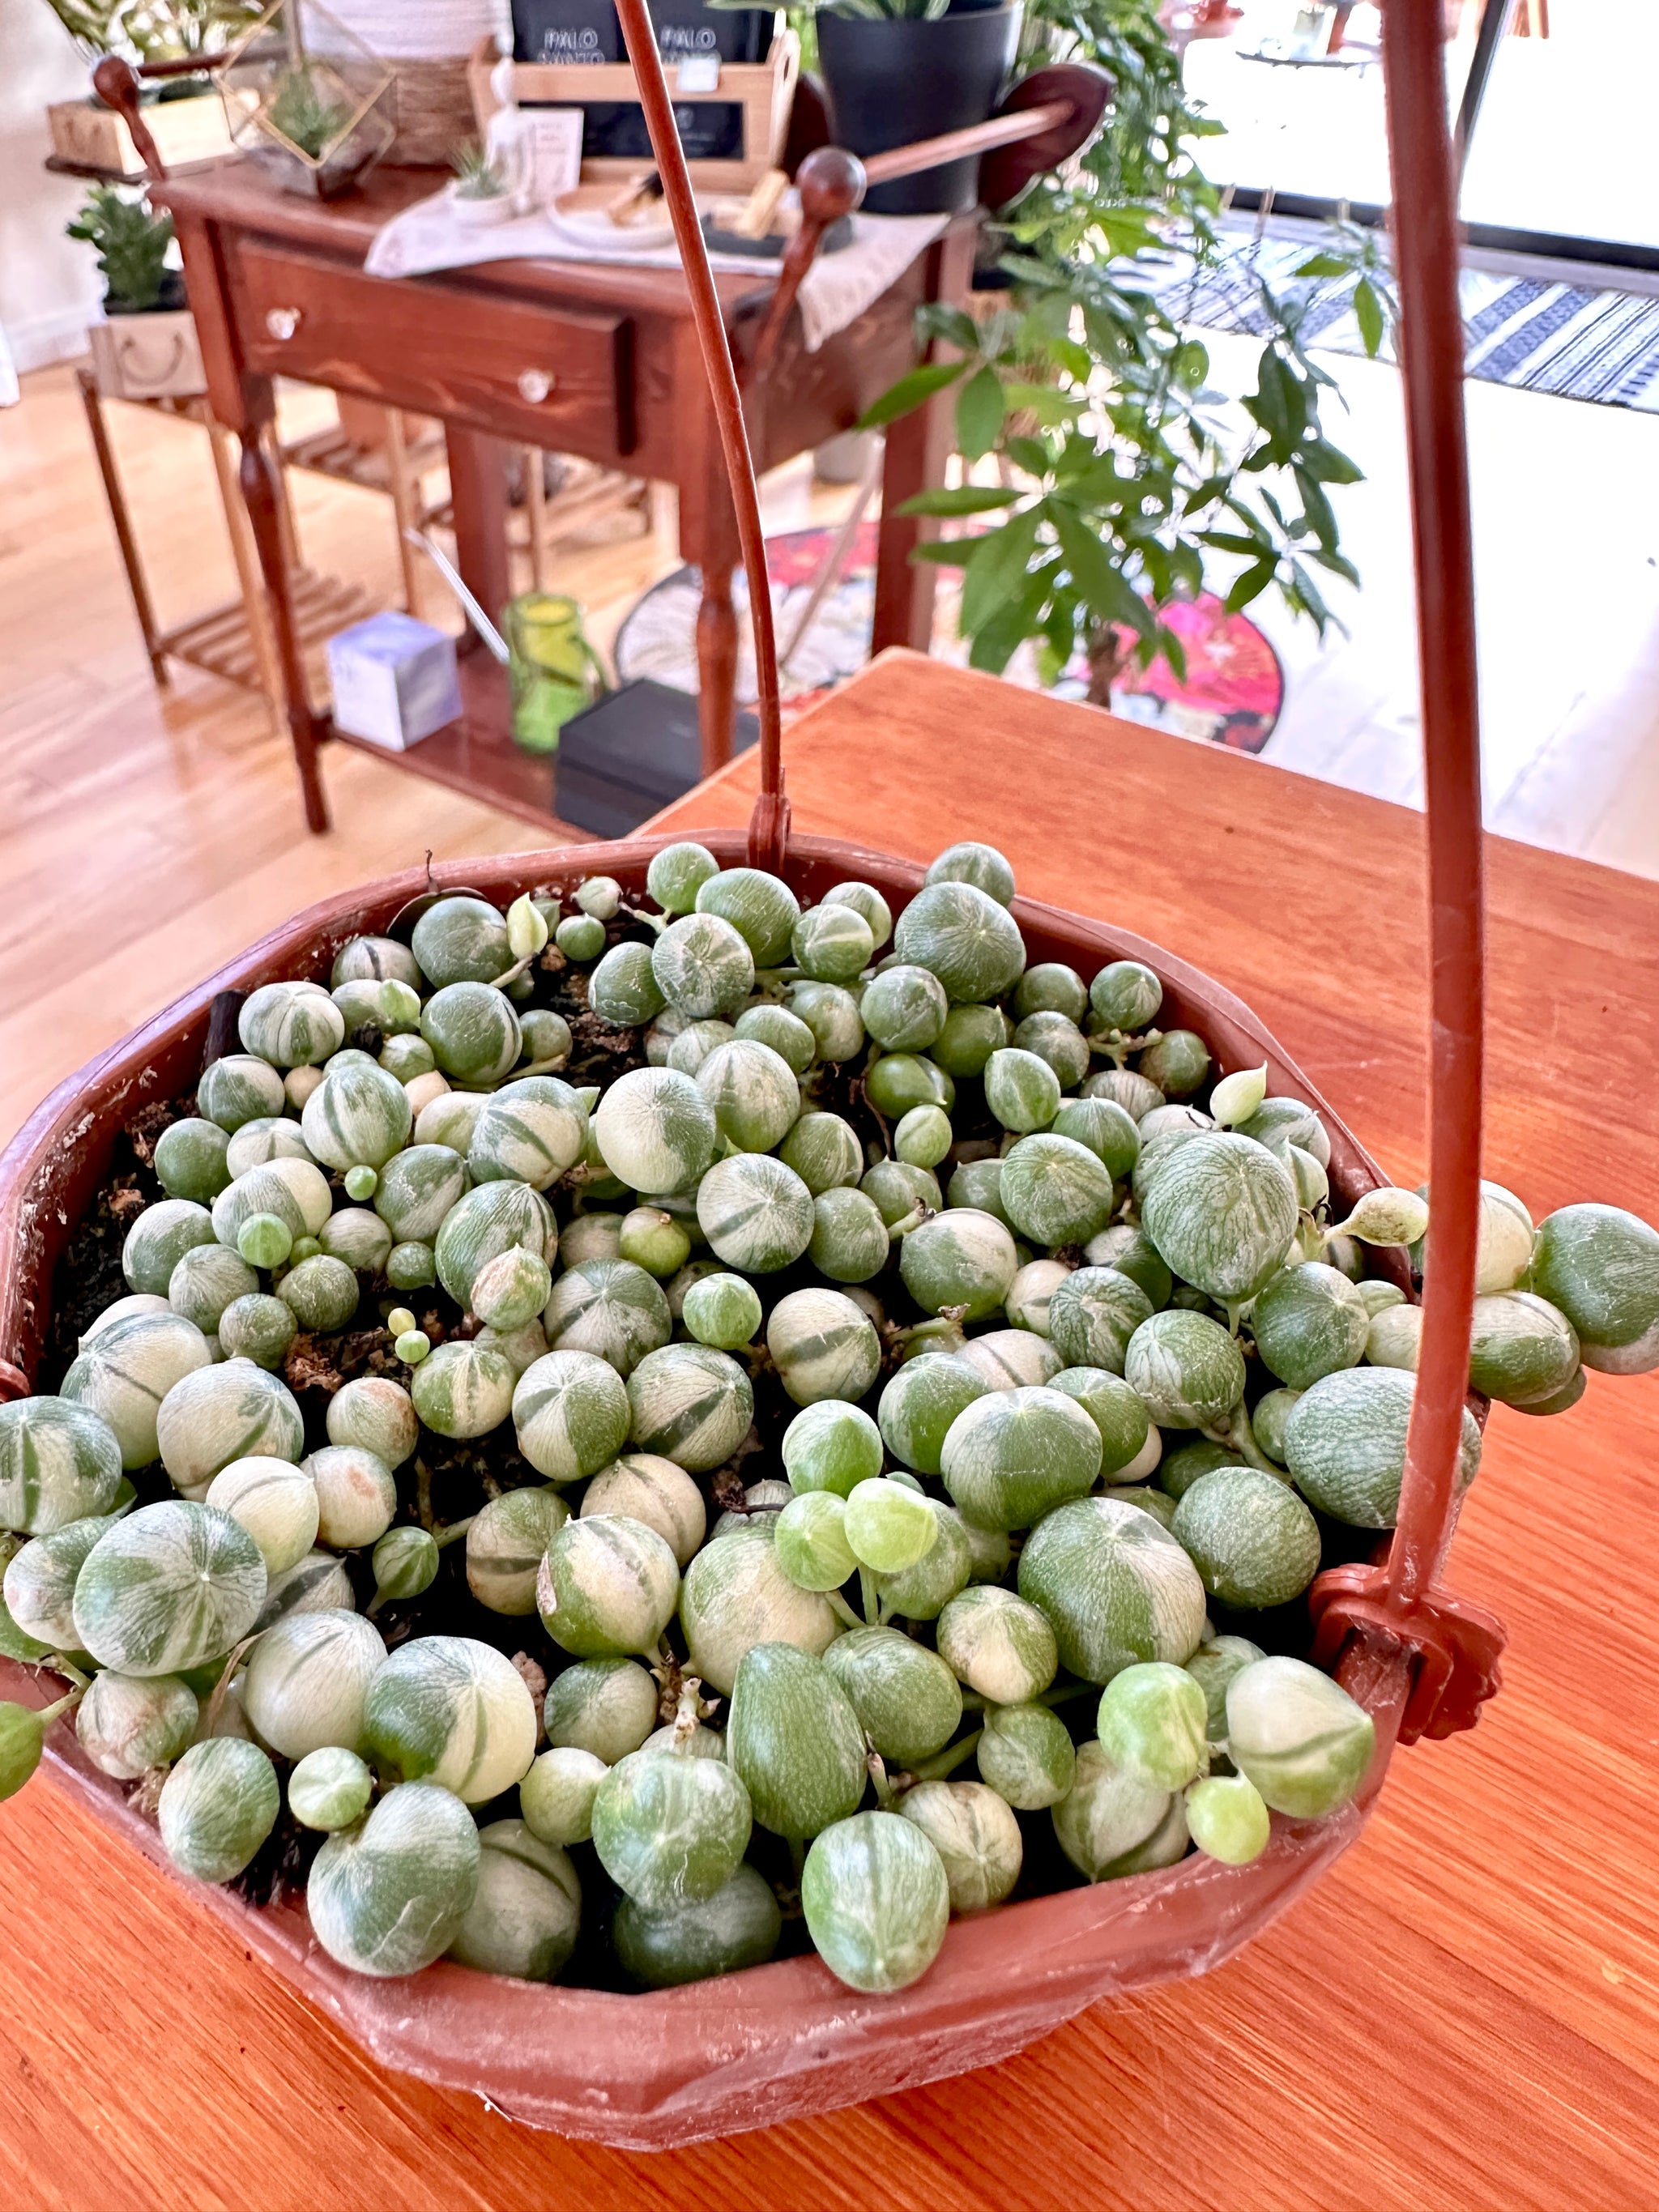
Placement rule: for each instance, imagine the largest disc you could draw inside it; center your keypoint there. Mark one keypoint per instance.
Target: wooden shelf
(333, 453)
(477, 756)
(99, 175)
(221, 643)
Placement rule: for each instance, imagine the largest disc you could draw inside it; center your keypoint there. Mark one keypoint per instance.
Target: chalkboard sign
(588, 31)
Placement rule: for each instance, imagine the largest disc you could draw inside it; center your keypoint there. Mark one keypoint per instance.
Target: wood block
(185, 131)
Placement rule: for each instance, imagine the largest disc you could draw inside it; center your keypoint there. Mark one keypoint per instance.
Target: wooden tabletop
(239, 193)
(1464, 2015)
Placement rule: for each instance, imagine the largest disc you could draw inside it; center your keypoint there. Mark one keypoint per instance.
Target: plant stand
(396, 462)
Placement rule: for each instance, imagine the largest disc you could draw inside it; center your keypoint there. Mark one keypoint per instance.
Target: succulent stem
(842, 1611)
(868, 1597)
(947, 1761)
(1235, 1433)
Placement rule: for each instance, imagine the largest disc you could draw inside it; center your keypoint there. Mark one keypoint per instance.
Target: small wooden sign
(765, 91)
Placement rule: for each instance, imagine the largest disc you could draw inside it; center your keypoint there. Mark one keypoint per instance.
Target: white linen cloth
(835, 291)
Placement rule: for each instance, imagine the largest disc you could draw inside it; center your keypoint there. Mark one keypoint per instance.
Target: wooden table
(1464, 2015)
(598, 359)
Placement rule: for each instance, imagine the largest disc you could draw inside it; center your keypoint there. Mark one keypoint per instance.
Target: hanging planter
(434, 998)
(661, 2068)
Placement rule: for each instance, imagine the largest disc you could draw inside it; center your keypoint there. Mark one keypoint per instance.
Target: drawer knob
(534, 385)
(281, 323)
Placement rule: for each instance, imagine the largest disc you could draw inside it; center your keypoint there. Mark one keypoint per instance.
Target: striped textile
(1542, 336)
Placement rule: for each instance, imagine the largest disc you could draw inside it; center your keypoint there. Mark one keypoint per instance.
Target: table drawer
(557, 377)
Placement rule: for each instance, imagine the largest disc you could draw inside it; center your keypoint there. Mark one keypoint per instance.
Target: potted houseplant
(478, 196)
(185, 114)
(146, 346)
(306, 100)
(898, 70)
(1120, 488)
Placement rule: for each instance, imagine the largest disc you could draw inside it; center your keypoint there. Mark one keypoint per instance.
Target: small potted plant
(146, 346)
(307, 100)
(478, 196)
(898, 70)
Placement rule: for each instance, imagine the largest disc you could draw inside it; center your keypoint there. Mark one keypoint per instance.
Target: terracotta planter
(779, 2041)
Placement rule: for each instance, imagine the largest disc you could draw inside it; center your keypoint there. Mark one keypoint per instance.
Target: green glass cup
(553, 670)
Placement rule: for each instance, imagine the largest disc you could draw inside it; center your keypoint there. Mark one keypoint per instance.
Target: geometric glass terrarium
(306, 100)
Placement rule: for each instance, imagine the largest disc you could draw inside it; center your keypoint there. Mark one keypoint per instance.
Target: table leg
(717, 662)
(919, 446)
(262, 495)
(477, 491)
(245, 556)
(535, 514)
(92, 399)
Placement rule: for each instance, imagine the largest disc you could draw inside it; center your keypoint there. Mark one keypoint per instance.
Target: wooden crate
(94, 137)
(765, 91)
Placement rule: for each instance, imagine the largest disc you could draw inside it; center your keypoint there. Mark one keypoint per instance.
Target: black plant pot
(891, 81)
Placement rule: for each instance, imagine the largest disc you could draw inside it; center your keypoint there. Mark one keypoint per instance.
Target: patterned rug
(1232, 693)
(1523, 330)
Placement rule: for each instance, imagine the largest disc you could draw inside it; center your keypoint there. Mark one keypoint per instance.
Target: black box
(635, 751)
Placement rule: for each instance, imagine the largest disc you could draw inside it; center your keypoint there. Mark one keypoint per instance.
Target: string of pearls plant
(916, 1391)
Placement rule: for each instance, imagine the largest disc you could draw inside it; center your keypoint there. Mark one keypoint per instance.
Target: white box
(393, 679)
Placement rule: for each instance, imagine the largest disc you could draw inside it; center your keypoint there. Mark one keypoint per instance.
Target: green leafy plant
(94, 25)
(302, 112)
(1352, 249)
(132, 247)
(1120, 481)
(478, 177)
(153, 30)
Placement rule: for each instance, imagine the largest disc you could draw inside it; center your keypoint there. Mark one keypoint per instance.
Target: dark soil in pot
(892, 81)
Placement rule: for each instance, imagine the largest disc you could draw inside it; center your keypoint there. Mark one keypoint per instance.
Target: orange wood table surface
(1463, 2015)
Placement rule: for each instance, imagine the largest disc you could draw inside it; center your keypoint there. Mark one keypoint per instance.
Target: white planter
(480, 215)
(152, 356)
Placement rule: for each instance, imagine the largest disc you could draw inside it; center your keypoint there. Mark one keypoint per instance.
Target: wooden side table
(599, 361)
